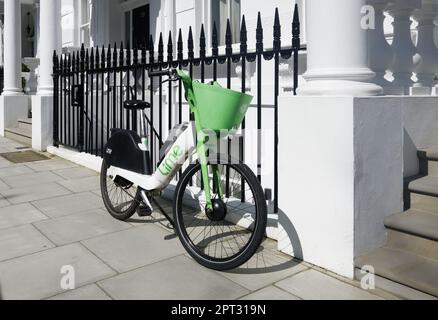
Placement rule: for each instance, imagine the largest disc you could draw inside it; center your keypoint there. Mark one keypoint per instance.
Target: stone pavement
(51, 216)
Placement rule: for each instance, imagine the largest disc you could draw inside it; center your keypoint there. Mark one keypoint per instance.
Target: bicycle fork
(202, 154)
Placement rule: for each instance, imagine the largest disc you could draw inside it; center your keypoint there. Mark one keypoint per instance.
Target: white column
(1, 43)
(426, 48)
(50, 26)
(12, 49)
(380, 53)
(406, 57)
(337, 50)
(37, 28)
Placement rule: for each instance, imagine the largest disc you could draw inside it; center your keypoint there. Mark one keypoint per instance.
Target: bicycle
(219, 207)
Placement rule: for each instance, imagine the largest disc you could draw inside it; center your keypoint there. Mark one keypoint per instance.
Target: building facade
(367, 99)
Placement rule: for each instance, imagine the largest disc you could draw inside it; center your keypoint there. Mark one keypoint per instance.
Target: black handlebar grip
(169, 73)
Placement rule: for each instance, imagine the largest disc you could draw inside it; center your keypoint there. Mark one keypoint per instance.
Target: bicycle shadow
(268, 258)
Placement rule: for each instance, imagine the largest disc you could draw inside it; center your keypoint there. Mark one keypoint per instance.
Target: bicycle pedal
(144, 211)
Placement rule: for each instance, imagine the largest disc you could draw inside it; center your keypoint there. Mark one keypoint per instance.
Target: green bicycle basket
(220, 108)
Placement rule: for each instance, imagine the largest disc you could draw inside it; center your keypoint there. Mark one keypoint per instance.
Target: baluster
(202, 52)
(160, 87)
(121, 64)
(180, 49)
(215, 50)
(259, 50)
(170, 92)
(55, 100)
(97, 66)
(151, 62)
(277, 48)
(86, 91)
(296, 45)
(102, 101)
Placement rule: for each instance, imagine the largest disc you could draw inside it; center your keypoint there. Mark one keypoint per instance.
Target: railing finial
(170, 47)
(214, 41)
(190, 44)
(277, 32)
(180, 46)
(243, 37)
(259, 34)
(202, 43)
(296, 43)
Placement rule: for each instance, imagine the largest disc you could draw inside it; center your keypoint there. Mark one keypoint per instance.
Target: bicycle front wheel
(228, 236)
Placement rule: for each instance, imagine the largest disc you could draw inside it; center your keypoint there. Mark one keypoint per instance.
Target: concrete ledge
(42, 125)
(12, 108)
(84, 159)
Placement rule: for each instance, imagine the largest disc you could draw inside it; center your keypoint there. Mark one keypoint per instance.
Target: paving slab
(89, 292)
(82, 184)
(270, 293)
(71, 204)
(134, 248)
(3, 202)
(14, 170)
(79, 227)
(173, 279)
(315, 285)
(22, 240)
(32, 193)
(50, 165)
(4, 186)
(265, 267)
(30, 179)
(16, 215)
(75, 173)
(38, 276)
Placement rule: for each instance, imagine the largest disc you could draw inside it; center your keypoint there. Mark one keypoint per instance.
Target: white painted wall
(335, 175)
(68, 23)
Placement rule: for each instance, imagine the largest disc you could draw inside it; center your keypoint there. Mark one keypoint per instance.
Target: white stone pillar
(50, 26)
(428, 68)
(1, 43)
(12, 49)
(380, 53)
(337, 50)
(42, 103)
(406, 57)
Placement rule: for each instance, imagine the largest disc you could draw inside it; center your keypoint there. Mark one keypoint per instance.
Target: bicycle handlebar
(169, 73)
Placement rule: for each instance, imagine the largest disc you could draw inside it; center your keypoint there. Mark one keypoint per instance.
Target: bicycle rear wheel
(230, 235)
(121, 197)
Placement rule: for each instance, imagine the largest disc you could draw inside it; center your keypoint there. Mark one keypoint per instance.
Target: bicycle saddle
(136, 105)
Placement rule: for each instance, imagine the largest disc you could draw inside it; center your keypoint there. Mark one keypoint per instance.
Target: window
(222, 10)
(85, 18)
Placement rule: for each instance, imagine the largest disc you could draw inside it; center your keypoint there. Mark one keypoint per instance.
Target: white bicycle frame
(183, 149)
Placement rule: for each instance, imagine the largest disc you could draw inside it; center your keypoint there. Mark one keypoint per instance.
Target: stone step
(426, 186)
(424, 203)
(25, 124)
(20, 135)
(414, 222)
(429, 160)
(403, 267)
(429, 154)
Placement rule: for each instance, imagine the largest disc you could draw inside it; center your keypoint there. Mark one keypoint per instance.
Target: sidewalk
(51, 215)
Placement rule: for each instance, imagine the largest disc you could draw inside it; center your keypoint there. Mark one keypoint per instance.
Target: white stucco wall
(340, 176)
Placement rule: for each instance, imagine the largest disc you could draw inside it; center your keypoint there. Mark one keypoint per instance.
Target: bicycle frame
(191, 142)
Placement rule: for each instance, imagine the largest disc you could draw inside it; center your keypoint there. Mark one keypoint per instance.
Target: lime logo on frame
(171, 161)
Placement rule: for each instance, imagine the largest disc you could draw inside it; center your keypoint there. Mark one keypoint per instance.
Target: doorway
(140, 26)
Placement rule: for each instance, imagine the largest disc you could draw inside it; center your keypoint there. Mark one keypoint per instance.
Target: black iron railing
(2, 79)
(106, 77)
